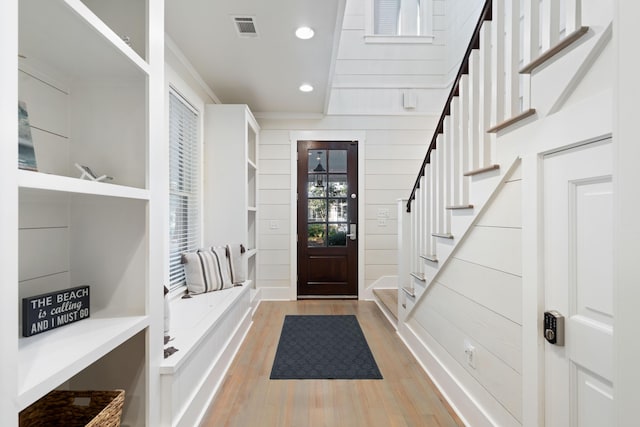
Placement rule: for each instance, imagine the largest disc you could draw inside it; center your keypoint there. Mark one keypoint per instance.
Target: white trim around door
(327, 135)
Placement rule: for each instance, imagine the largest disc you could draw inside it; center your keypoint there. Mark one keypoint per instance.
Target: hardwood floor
(405, 397)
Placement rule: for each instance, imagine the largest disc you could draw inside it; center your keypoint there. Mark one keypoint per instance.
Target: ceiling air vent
(245, 26)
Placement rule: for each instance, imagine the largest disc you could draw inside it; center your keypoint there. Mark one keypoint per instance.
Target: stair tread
(443, 235)
(388, 298)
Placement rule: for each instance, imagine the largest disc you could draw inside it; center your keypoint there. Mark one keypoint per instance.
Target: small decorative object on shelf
(87, 173)
(26, 152)
(43, 312)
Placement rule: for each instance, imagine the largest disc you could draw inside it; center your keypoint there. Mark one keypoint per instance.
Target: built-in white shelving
(40, 181)
(231, 151)
(92, 76)
(68, 36)
(69, 350)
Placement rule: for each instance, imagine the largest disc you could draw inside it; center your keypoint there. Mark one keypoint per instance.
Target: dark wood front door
(327, 219)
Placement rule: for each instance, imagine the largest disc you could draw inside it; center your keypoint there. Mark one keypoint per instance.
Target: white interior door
(578, 248)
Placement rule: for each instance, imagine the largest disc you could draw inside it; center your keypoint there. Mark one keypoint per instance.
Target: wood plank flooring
(406, 396)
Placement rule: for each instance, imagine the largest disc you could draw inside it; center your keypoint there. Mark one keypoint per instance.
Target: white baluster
(424, 220)
(440, 190)
(463, 141)
(550, 23)
(484, 118)
(512, 58)
(431, 205)
(573, 14)
(476, 131)
(447, 149)
(497, 63)
(456, 173)
(530, 45)
(414, 233)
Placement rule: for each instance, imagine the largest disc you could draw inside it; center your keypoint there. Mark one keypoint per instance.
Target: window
(401, 17)
(184, 185)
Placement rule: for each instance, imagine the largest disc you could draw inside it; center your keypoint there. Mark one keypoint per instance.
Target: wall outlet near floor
(470, 354)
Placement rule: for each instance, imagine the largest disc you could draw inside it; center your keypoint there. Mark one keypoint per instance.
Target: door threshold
(327, 296)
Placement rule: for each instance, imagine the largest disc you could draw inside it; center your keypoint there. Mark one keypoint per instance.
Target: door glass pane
(338, 161)
(337, 234)
(316, 235)
(337, 185)
(315, 188)
(317, 210)
(338, 210)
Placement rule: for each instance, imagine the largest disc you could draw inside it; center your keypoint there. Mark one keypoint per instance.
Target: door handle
(353, 231)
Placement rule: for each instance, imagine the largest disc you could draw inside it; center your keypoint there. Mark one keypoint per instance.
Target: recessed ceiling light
(304, 33)
(305, 87)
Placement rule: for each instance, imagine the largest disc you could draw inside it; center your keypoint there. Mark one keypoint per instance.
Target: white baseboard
(454, 392)
(382, 282)
(275, 294)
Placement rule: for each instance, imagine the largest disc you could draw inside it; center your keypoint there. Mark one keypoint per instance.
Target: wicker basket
(75, 409)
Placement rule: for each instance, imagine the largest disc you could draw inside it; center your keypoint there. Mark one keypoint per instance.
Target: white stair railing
(491, 91)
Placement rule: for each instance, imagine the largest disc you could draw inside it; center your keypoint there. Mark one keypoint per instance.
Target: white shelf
(251, 164)
(251, 253)
(50, 358)
(252, 209)
(42, 181)
(69, 37)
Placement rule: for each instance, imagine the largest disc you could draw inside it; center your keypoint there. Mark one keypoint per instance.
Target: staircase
(491, 92)
(388, 298)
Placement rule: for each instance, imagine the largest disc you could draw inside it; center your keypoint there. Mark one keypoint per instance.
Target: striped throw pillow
(204, 272)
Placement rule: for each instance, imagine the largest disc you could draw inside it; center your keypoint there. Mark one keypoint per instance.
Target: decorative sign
(41, 313)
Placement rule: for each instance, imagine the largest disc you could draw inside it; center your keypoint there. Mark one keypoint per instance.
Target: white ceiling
(263, 72)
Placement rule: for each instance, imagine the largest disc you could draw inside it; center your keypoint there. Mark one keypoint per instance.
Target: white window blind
(402, 17)
(184, 191)
(386, 15)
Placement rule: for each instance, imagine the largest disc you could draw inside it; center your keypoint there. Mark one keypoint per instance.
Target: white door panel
(594, 400)
(578, 273)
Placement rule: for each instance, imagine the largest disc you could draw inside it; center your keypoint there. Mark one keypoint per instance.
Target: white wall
(393, 148)
(183, 78)
(476, 299)
(370, 78)
(626, 205)
(461, 17)
(44, 224)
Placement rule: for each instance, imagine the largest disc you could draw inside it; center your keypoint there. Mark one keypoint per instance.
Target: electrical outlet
(470, 354)
(383, 213)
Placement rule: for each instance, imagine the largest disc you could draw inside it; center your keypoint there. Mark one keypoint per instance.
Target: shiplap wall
(461, 17)
(477, 297)
(392, 152)
(44, 221)
(370, 78)
(56, 228)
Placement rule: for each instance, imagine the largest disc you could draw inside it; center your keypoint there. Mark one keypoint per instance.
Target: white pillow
(237, 263)
(204, 272)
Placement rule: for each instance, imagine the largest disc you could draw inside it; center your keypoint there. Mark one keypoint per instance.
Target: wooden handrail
(474, 43)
